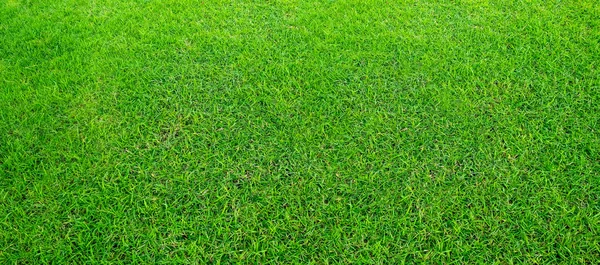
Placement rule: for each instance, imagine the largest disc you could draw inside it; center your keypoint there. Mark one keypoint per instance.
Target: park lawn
(299, 131)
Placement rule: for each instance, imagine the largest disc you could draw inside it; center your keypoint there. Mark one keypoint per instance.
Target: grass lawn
(299, 131)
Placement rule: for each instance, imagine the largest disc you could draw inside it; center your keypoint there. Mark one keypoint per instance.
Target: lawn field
(299, 132)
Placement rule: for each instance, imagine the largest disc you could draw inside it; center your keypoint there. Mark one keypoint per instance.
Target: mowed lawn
(299, 131)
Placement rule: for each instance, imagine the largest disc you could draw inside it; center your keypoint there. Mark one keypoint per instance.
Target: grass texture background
(288, 131)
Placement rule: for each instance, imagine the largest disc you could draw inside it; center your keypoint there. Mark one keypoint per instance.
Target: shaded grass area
(299, 131)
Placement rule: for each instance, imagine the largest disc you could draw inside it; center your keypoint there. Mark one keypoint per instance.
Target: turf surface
(288, 131)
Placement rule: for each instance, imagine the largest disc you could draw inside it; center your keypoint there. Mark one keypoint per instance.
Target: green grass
(292, 131)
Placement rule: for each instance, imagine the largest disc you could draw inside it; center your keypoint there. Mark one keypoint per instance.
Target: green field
(299, 131)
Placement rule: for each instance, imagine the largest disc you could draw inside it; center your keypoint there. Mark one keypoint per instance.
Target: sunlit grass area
(308, 132)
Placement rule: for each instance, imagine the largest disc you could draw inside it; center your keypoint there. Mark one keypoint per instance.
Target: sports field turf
(299, 131)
